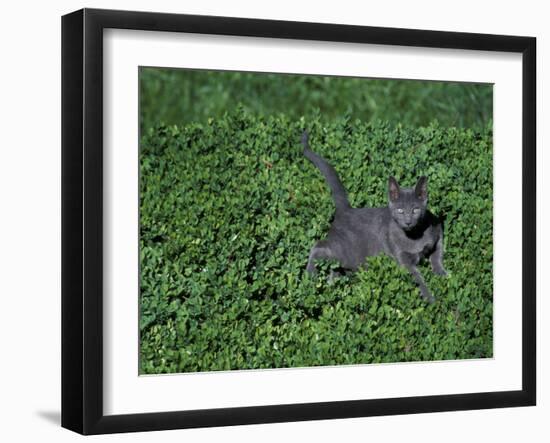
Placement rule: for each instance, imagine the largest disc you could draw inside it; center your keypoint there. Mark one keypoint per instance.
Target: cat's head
(408, 205)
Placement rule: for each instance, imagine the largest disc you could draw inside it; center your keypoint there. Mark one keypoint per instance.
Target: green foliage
(230, 208)
(176, 96)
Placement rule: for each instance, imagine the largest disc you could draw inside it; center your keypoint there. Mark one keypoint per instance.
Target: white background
(30, 220)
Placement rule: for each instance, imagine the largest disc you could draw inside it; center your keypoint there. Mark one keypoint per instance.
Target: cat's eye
(416, 210)
(400, 210)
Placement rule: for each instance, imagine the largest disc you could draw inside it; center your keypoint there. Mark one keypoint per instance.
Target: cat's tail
(339, 194)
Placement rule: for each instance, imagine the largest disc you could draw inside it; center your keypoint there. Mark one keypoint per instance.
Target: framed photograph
(268, 221)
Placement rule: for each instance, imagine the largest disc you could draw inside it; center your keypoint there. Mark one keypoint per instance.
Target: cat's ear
(421, 188)
(393, 189)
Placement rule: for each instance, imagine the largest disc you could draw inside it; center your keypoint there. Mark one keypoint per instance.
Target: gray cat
(405, 229)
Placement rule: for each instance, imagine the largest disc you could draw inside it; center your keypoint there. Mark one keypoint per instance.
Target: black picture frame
(82, 218)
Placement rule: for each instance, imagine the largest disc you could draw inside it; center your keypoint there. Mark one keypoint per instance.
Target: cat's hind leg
(320, 250)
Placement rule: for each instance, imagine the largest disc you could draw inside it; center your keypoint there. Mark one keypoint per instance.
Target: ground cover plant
(229, 209)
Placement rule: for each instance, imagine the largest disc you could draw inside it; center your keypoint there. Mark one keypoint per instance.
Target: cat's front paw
(430, 300)
(428, 297)
(440, 271)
